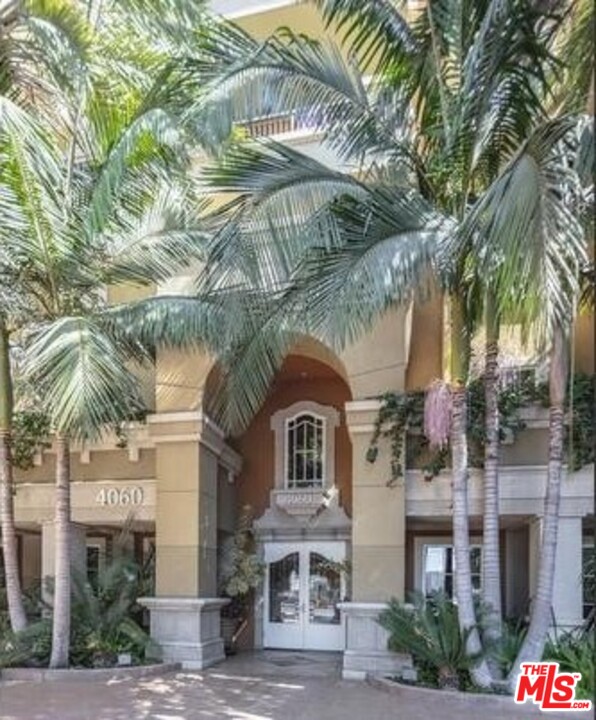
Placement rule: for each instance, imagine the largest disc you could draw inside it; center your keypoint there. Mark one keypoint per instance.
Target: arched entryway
(297, 479)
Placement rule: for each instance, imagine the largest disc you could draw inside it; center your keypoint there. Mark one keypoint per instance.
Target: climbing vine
(30, 434)
(401, 415)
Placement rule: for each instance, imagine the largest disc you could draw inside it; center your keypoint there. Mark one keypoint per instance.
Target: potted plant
(241, 571)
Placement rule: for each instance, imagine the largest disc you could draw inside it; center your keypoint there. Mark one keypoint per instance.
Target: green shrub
(509, 644)
(103, 616)
(103, 623)
(575, 653)
(429, 630)
(30, 648)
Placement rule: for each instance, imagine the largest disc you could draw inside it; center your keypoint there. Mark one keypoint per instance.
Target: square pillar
(567, 587)
(185, 612)
(379, 521)
(188, 630)
(567, 592)
(78, 554)
(378, 550)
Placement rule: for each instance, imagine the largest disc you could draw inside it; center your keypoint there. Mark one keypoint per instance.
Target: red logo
(548, 688)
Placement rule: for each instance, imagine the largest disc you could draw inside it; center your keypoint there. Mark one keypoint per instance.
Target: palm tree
(455, 95)
(122, 212)
(16, 609)
(97, 198)
(39, 44)
(550, 243)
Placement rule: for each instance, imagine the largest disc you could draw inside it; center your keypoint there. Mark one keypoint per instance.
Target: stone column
(378, 525)
(567, 593)
(185, 611)
(567, 588)
(78, 553)
(378, 549)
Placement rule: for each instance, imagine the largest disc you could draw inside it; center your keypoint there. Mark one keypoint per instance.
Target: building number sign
(120, 496)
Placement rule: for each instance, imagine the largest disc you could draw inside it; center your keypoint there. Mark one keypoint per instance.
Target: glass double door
(303, 585)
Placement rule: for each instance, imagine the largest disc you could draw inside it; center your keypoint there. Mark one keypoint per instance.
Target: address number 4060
(120, 496)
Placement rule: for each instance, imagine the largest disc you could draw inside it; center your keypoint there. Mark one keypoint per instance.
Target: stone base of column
(188, 630)
(366, 650)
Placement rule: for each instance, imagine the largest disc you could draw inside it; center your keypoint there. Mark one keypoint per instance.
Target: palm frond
(525, 229)
(170, 321)
(288, 74)
(83, 377)
(278, 215)
(375, 32)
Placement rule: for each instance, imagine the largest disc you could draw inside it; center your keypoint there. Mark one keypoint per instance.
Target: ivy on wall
(401, 415)
(30, 434)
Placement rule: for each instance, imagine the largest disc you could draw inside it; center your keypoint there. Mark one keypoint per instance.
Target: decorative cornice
(174, 427)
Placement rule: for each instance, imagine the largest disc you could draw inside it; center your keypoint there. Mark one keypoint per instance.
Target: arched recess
(310, 374)
(306, 347)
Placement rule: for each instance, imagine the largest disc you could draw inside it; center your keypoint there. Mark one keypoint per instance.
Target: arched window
(305, 451)
(304, 446)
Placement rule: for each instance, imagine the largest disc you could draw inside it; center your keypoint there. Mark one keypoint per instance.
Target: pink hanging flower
(437, 414)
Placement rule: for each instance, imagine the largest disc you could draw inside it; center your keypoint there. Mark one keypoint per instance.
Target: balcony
(241, 8)
(298, 121)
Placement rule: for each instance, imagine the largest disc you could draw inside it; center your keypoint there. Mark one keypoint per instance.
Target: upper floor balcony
(301, 122)
(240, 8)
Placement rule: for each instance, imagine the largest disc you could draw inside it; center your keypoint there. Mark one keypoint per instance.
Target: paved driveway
(265, 686)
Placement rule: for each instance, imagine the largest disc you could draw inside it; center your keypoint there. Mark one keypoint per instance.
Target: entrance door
(303, 586)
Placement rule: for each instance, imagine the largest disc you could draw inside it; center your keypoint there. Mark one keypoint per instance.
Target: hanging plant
(437, 414)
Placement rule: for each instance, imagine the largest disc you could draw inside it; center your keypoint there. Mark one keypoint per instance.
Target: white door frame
(303, 634)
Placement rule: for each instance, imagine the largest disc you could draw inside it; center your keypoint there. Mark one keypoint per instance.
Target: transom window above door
(304, 447)
(305, 452)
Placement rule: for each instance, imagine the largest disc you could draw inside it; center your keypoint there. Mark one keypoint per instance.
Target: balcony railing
(296, 121)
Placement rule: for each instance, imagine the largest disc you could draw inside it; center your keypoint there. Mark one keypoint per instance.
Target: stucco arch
(180, 379)
(306, 347)
(185, 380)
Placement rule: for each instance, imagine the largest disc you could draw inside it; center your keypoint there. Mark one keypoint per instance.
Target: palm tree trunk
(61, 616)
(460, 353)
(16, 609)
(491, 569)
(533, 645)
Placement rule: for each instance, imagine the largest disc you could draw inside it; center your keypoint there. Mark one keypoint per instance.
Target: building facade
(338, 537)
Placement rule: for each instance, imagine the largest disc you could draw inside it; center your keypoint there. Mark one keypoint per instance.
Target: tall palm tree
(119, 210)
(549, 243)
(88, 204)
(454, 96)
(40, 44)
(16, 609)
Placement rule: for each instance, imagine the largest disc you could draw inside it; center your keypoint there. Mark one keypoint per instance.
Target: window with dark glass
(439, 569)
(588, 578)
(305, 452)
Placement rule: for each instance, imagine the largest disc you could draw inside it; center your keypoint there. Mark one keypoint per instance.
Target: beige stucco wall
(181, 377)
(584, 343)
(110, 464)
(189, 451)
(378, 518)
(377, 362)
(425, 362)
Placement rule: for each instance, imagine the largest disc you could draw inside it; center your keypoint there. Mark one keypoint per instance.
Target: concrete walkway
(273, 685)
